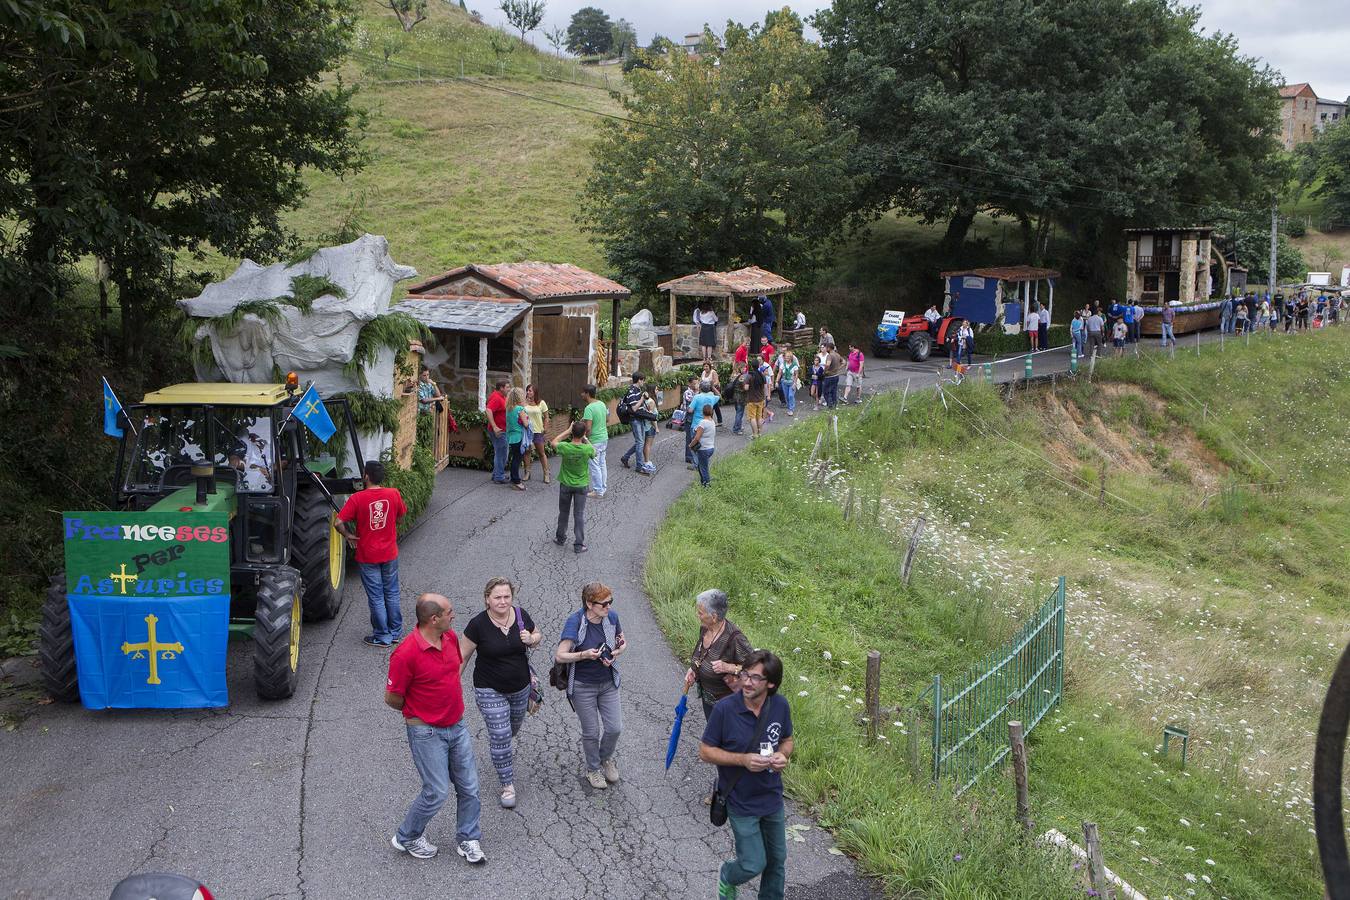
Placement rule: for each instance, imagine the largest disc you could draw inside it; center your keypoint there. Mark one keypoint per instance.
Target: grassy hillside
(1206, 588)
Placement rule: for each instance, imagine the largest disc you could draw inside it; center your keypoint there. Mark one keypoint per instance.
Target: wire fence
(1020, 681)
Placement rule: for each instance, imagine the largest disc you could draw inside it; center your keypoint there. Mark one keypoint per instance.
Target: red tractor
(913, 333)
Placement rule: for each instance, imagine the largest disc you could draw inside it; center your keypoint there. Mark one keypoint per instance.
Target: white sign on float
(1345, 277)
(1319, 279)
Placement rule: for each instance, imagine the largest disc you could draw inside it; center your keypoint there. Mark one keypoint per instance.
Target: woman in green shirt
(516, 420)
(574, 480)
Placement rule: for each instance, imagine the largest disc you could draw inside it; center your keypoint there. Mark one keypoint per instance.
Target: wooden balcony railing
(1156, 263)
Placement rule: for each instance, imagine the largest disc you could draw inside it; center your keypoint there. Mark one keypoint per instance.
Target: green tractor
(237, 449)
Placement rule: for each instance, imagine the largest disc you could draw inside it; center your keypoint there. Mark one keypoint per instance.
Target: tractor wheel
(319, 551)
(276, 634)
(920, 346)
(56, 644)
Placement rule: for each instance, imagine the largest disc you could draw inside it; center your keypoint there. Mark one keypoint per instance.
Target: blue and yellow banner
(149, 597)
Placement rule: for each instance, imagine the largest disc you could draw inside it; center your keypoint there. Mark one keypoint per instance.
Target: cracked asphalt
(298, 798)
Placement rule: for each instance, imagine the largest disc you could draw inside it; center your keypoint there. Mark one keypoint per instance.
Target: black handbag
(557, 675)
(717, 810)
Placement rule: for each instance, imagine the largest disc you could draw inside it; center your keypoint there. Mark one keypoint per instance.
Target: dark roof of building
(534, 280)
(1008, 273)
(1168, 229)
(476, 315)
(748, 282)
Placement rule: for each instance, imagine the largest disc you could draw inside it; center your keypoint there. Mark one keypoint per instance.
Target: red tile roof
(750, 281)
(1294, 90)
(534, 280)
(1008, 273)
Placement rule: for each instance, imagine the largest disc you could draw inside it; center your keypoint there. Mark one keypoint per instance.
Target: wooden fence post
(815, 451)
(1101, 484)
(913, 548)
(1019, 762)
(873, 693)
(848, 504)
(1096, 868)
(904, 397)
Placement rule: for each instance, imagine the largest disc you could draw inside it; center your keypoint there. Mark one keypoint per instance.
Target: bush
(1295, 228)
(993, 342)
(415, 484)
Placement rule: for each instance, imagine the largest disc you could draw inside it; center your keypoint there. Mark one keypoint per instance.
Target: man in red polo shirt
(369, 522)
(424, 685)
(496, 423)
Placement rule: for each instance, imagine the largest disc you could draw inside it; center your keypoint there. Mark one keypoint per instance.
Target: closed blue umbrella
(680, 709)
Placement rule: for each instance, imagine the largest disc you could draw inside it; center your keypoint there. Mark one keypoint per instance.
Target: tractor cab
(240, 451)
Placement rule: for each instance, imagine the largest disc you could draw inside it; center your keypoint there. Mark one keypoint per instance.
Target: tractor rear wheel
(319, 551)
(276, 634)
(56, 644)
(920, 346)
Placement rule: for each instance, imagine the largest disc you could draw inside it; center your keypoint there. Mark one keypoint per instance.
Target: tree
(523, 15)
(557, 38)
(622, 39)
(588, 33)
(1328, 159)
(727, 161)
(411, 13)
(1084, 111)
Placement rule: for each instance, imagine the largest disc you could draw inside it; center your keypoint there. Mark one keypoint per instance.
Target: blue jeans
(1167, 334)
(761, 849)
(789, 395)
(740, 420)
(381, 583)
(599, 474)
(601, 716)
(444, 757)
(704, 457)
(499, 452)
(635, 452)
(689, 426)
(830, 390)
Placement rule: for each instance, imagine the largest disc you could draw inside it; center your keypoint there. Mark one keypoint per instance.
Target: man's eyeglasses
(753, 677)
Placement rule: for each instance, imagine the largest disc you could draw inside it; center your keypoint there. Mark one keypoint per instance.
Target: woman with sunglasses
(592, 640)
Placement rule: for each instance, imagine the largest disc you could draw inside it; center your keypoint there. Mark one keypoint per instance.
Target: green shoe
(725, 891)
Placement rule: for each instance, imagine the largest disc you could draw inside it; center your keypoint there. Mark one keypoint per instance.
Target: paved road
(297, 799)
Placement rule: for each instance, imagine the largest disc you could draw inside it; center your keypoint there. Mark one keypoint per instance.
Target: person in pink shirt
(853, 375)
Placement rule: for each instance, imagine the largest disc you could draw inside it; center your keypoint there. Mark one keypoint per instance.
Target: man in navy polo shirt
(424, 685)
(749, 739)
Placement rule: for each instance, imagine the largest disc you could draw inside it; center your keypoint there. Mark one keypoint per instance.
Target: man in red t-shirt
(375, 512)
(424, 685)
(496, 410)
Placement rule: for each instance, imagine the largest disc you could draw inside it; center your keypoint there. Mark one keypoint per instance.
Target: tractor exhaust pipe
(205, 473)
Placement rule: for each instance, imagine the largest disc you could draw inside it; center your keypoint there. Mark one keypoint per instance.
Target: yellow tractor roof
(218, 394)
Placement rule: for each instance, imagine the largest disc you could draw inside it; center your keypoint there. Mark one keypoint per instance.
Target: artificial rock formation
(314, 344)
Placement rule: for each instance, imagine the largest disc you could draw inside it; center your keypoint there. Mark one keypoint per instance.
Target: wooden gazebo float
(747, 283)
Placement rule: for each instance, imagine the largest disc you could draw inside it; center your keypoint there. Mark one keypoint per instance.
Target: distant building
(1168, 265)
(1298, 114)
(1329, 112)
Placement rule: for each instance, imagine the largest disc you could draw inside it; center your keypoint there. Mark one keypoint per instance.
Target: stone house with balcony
(1167, 265)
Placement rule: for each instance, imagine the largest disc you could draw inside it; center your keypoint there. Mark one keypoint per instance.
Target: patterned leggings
(503, 714)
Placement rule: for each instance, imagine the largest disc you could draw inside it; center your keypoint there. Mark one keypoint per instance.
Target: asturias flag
(311, 411)
(111, 407)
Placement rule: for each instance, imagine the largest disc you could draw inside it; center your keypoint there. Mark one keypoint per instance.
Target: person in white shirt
(1033, 326)
(800, 321)
(705, 320)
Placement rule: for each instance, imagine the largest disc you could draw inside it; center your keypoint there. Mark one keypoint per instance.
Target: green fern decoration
(227, 323)
(373, 413)
(305, 289)
(391, 331)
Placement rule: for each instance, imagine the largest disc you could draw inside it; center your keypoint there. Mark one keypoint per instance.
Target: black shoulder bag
(717, 810)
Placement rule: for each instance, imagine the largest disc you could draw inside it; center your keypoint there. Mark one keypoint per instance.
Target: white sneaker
(610, 771)
(419, 846)
(596, 780)
(471, 851)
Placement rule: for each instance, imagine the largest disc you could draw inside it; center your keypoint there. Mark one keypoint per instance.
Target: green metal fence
(1020, 681)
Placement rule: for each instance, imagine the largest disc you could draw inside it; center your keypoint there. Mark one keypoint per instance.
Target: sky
(1305, 40)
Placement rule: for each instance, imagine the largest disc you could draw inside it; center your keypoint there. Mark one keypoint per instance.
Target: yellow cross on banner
(123, 578)
(311, 408)
(153, 647)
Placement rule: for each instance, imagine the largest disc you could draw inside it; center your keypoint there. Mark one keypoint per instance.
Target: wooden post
(614, 338)
(731, 315)
(1019, 762)
(672, 323)
(834, 423)
(904, 397)
(873, 693)
(848, 504)
(1096, 868)
(1101, 483)
(815, 451)
(914, 536)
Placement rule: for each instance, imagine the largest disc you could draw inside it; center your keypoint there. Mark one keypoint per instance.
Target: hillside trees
(410, 13)
(1085, 111)
(727, 160)
(523, 15)
(588, 33)
(1326, 162)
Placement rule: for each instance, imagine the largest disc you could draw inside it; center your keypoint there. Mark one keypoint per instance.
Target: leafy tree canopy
(623, 38)
(523, 15)
(1083, 109)
(729, 161)
(1325, 163)
(588, 33)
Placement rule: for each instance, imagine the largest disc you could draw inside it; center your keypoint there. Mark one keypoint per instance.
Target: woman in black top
(503, 634)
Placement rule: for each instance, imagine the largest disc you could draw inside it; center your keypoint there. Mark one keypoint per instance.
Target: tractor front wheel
(276, 634)
(920, 346)
(319, 551)
(56, 644)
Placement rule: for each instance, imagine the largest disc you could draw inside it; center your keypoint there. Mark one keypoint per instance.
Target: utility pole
(1274, 237)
